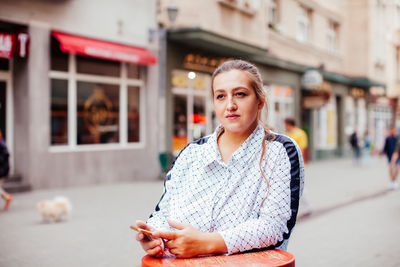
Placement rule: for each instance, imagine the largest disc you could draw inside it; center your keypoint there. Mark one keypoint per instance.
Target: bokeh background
(98, 97)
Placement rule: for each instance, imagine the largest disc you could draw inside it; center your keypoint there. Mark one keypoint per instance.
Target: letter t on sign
(23, 42)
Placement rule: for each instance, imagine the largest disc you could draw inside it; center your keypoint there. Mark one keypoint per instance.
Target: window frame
(124, 82)
(304, 18)
(333, 36)
(273, 12)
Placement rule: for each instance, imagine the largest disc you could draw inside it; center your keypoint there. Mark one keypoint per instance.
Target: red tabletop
(267, 258)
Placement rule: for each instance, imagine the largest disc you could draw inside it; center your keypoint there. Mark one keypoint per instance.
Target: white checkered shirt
(213, 196)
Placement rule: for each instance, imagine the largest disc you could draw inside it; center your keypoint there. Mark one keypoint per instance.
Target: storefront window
(193, 116)
(133, 114)
(281, 106)
(97, 113)
(86, 109)
(88, 65)
(199, 117)
(59, 112)
(180, 137)
(325, 125)
(199, 83)
(133, 71)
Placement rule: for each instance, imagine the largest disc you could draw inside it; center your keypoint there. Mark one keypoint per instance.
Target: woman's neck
(229, 142)
(239, 138)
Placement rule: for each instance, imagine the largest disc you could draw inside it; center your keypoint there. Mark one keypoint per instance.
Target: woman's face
(235, 102)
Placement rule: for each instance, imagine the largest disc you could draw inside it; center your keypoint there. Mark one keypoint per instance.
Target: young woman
(235, 190)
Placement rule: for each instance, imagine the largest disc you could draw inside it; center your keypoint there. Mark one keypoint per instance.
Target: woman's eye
(220, 96)
(240, 94)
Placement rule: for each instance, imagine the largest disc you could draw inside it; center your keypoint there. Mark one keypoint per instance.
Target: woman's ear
(261, 103)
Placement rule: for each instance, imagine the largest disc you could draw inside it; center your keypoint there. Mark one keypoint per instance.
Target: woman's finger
(139, 236)
(151, 244)
(170, 244)
(160, 254)
(165, 235)
(177, 225)
(175, 251)
(143, 225)
(153, 251)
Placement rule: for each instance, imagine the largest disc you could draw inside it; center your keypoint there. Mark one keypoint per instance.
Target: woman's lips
(232, 116)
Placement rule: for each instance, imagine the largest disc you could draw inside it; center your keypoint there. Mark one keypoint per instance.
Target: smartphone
(147, 232)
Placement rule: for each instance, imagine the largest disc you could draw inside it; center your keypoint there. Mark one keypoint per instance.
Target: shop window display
(97, 113)
(325, 125)
(180, 123)
(281, 106)
(192, 117)
(133, 114)
(86, 103)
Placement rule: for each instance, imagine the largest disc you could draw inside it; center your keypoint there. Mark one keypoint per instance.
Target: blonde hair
(256, 83)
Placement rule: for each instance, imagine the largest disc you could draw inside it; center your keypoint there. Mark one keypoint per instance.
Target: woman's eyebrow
(240, 88)
(234, 89)
(219, 91)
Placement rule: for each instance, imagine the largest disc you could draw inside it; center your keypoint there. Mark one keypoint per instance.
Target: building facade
(331, 65)
(78, 106)
(293, 43)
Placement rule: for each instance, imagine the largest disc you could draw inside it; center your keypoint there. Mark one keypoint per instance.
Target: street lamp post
(164, 156)
(172, 10)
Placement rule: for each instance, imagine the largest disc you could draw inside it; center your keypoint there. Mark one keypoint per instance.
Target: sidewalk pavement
(98, 232)
(355, 219)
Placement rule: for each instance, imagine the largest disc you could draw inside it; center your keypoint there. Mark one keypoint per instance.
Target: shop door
(6, 114)
(192, 111)
(3, 109)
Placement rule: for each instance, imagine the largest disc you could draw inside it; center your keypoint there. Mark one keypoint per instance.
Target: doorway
(3, 108)
(192, 111)
(6, 109)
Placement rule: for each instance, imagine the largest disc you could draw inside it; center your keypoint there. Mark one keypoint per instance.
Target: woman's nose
(231, 104)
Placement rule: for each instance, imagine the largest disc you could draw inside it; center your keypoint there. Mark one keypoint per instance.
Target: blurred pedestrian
(391, 149)
(235, 190)
(300, 137)
(367, 145)
(355, 146)
(4, 169)
(296, 134)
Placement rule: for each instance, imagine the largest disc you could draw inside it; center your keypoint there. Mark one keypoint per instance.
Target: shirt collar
(211, 149)
(242, 154)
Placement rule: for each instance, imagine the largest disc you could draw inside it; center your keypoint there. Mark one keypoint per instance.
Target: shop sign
(357, 92)
(311, 102)
(383, 101)
(311, 79)
(202, 63)
(14, 45)
(22, 45)
(377, 91)
(7, 42)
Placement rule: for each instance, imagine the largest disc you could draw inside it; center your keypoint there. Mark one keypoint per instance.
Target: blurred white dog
(55, 210)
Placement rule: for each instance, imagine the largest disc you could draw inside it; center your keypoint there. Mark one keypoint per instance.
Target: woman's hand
(189, 242)
(153, 246)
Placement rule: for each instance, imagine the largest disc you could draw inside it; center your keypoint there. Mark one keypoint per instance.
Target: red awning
(102, 49)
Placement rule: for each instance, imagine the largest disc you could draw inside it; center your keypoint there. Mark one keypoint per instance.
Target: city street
(354, 222)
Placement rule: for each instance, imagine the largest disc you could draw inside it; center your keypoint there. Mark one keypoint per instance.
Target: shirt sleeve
(278, 214)
(158, 219)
